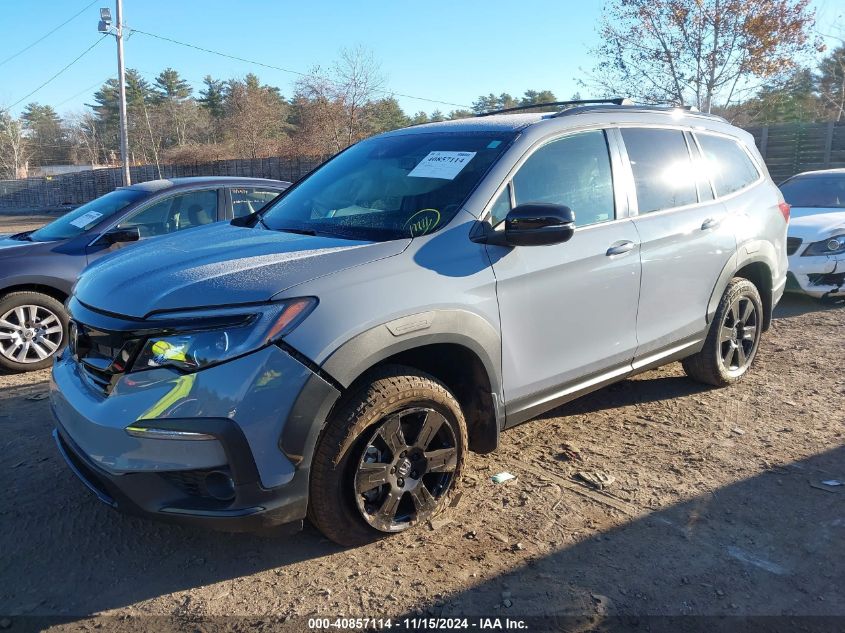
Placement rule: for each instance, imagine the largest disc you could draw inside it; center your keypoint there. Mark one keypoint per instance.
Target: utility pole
(105, 23)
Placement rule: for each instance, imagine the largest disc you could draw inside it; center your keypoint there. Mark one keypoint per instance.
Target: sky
(448, 51)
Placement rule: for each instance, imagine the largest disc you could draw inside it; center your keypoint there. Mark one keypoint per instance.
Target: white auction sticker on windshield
(84, 220)
(444, 165)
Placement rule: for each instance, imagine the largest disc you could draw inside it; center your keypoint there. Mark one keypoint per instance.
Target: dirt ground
(717, 510)
(17, 224)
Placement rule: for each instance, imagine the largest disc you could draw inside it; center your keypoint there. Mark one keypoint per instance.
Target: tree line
(753, 61)
(169, 121)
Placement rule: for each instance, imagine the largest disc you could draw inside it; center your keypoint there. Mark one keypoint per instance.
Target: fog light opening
(220, 485)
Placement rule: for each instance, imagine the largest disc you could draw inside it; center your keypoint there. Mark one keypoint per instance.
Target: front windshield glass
(815, 191)
(83, 218)
(390, 188)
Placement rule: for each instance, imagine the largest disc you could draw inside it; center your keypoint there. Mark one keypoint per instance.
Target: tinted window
(87, 216)
(572, 171)
(390, 187)
(663, 172)
(248, 200)
(175, 213)
(815, 191)
(729, 166)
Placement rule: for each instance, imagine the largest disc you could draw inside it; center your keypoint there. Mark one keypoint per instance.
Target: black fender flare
(365, 350)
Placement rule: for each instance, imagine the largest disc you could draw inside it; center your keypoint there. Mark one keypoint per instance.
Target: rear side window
(248, 200)
(663, 172)
(572, 171)
(729, 165)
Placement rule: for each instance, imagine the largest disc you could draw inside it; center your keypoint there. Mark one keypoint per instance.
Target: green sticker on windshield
(423, 222)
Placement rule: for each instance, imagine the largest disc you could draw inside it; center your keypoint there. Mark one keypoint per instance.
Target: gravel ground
(716, 510)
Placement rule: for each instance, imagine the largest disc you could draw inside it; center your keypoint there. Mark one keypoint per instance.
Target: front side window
(729, 165)
(174, 213)
(248, 200)
(573, 171)
(87, 216)
(390, 187)
(664, 176)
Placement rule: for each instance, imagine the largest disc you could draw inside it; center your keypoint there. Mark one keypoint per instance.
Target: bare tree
(700, 52)
(255, 117)
(14, 148)
(337, 99)
(83, 130)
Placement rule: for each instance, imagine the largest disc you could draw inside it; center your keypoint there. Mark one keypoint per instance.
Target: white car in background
(816, 237)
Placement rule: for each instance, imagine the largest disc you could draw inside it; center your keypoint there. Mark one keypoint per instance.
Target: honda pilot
(337, 354)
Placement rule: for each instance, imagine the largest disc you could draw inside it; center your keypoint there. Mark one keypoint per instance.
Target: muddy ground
(717, 509)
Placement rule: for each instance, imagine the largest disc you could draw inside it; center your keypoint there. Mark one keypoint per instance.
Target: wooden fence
(795, 147)
(787, 149)
(80, 187)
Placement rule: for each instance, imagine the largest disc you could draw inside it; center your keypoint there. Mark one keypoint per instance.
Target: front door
(176, 212)
(568, 311)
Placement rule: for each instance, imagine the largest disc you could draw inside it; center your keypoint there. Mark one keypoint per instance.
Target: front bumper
(245, 406)
(817, 276)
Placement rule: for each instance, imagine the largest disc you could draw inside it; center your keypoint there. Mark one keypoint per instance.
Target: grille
(191, 482)
(792, 245)
(102, 354)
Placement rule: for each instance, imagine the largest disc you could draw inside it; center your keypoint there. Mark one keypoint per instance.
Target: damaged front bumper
(818, 276)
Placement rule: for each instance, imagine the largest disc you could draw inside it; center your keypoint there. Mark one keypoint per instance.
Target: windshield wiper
(291, 229)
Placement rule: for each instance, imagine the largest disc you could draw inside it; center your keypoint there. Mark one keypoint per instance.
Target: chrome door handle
(710, 223)
(620, 247)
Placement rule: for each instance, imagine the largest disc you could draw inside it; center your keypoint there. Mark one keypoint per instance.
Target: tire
(364, 485)
(729, 351)
(33, 329)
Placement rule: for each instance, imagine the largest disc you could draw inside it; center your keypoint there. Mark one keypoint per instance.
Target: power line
(80, 56)
(279, 68)
(84, 90)
(49, 33)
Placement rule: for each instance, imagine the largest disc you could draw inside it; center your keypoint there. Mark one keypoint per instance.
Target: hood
(217, 265)
(9, 246)
(811, 225)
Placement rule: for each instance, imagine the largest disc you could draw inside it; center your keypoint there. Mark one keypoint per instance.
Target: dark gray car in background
(38, 268)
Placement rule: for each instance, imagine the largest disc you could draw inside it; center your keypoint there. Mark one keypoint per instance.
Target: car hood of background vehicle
(813, 225)
(217, 265)
(10, 247)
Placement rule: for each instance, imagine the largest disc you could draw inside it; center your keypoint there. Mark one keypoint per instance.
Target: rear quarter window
(728, 164)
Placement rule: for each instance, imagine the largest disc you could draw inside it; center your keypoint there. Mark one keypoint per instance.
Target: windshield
(815, 191)
(390, 188)
(83, 218)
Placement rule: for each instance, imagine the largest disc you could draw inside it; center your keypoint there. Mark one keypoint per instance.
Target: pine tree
(213, 96)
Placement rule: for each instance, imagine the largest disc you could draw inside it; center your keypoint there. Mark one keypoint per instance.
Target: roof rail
(691, 110)
(575, 102)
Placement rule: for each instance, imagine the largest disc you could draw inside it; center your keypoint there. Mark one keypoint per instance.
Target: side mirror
(534, 224)
(116, 236)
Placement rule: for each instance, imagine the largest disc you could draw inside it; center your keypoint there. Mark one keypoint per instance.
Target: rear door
(686, 239)
(568, 311)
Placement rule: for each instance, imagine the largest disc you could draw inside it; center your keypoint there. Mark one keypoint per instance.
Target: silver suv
(337, 354)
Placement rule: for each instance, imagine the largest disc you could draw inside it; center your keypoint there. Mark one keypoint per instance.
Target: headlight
(831, 246)
(204, 338)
